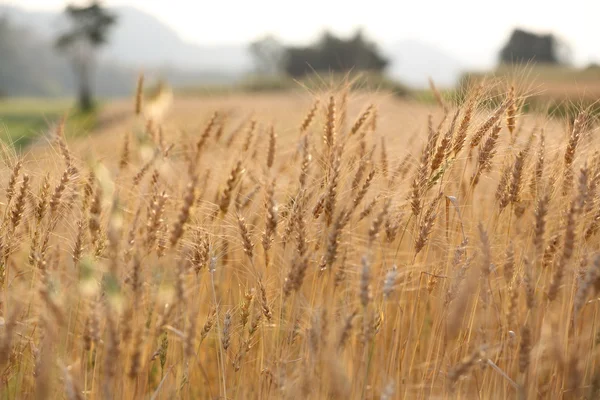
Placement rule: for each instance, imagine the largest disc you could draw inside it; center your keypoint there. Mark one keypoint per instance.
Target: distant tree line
(329, 53)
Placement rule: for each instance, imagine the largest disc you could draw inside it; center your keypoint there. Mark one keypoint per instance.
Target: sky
(472, 31)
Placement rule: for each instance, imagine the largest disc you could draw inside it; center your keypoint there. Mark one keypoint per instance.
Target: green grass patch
(24, 120)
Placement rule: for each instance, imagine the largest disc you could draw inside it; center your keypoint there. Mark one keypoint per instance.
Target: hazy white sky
(470, 30)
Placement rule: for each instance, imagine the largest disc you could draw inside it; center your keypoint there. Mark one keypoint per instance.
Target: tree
(334, 54)
(89, 30)
(268, 54)
(524, 47)
(328, 54)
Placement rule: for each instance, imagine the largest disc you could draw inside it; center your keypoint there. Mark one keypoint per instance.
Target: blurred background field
(44, 66)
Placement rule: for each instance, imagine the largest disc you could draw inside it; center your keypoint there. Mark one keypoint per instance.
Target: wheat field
(328, 245)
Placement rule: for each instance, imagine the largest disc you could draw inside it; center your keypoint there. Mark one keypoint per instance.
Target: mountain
(43, 23)
(140, 41)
